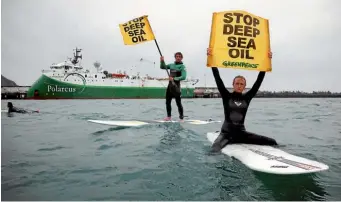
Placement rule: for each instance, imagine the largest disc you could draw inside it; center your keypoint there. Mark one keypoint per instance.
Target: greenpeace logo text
(239, 64)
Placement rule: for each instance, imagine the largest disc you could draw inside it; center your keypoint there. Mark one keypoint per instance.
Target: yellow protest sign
(239, 40)
(137, 31)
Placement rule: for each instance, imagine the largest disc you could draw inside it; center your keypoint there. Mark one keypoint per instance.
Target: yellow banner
(137, 31)
(239, 40)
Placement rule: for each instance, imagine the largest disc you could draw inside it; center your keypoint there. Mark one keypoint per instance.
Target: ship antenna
(97, 65)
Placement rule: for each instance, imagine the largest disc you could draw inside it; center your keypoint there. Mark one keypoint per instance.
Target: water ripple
(52, 148)
(58, 155)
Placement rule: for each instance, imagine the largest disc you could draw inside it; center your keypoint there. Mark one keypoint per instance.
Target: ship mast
(76, 56)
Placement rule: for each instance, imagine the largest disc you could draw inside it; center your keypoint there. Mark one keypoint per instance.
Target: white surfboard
(269, 159)
(190, 121)
(135, 123)
(119, 123)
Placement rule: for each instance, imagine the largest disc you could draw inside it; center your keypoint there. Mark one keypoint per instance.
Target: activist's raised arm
(163, 65)
(220, 84)
(183, 74)
(253, 91)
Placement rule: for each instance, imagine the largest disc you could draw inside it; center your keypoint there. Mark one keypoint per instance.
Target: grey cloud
(37, 33)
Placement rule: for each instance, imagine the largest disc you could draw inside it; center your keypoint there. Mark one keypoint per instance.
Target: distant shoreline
(339, 96)
(312, 96)
(289, 94)
(286, 94)
(14, 93)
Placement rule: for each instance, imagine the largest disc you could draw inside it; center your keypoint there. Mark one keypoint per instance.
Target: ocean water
(58, 155)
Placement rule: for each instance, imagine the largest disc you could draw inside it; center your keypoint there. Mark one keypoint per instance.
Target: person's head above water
(9, 105)
(239, 84)
(178, 56)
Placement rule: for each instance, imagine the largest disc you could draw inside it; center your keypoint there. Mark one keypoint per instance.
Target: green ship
(68, 80)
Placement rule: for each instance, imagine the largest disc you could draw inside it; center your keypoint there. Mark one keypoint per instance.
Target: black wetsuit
(178, 72)
(14, 109)
(235, 109)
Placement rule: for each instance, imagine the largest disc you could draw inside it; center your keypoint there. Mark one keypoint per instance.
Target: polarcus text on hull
(55, 88)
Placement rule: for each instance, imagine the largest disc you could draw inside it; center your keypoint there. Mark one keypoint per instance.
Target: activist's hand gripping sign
(239, 40)
(137, 31)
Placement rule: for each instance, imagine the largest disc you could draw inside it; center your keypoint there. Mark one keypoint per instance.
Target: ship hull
(49, 88)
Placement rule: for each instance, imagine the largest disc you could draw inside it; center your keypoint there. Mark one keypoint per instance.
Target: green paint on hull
(49, 88)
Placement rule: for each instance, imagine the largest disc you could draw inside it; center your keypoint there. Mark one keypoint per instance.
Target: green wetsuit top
(177, 70)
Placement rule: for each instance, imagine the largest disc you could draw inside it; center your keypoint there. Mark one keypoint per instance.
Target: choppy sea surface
(57, 155)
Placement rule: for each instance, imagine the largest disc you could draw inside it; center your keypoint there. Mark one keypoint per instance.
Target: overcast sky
(305, 38)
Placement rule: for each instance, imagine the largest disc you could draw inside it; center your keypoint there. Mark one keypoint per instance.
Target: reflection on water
(293, 187)
(58, 155)
(237, 182)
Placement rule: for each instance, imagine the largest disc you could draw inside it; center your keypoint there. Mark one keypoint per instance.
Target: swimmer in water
(235, 107)
(11, 109)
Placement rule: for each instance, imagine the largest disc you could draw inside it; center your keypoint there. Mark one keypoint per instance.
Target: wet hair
(240, 77)
(178, 53)
(9, 104)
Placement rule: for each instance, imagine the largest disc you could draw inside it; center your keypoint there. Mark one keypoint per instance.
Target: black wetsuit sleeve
(18, 110)
(253, 91)
(220, 84)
